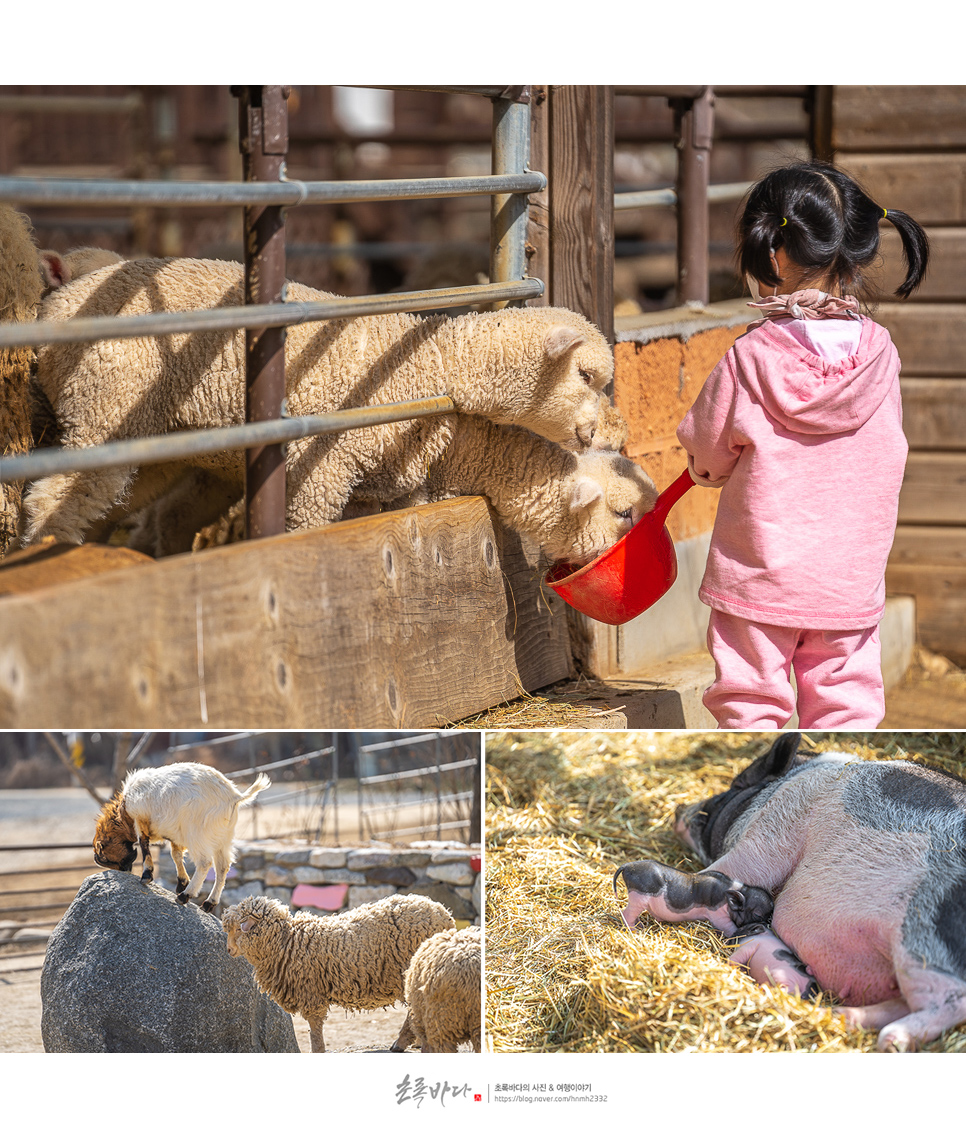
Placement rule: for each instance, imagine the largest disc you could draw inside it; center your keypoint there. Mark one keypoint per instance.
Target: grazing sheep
(442, 991)
(542, 368)
(573, 505)
(357, 959)
(21, 288)
(167, 524)
(192, 805)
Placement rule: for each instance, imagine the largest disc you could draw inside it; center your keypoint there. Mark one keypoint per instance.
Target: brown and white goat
(192, 805)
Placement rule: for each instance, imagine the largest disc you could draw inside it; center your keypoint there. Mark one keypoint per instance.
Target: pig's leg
(937, 1001)
(874, 1016)
(636, 904)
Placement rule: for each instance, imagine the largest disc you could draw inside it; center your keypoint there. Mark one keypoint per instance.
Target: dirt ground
(20, 1004)
(20, 1010)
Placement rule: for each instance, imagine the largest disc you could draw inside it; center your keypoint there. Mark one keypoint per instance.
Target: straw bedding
(564, 809)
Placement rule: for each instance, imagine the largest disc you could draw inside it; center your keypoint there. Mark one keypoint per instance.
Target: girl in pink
(801, 426)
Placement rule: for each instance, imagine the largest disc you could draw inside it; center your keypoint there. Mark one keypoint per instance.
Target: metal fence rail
(264, 194)
(287, 192)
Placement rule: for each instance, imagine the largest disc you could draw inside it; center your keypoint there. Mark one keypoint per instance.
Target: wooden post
(570, 237)
(820, 123)
(571, 232)
(693, 130)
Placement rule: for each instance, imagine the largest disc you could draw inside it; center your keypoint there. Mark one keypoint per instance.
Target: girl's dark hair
(826, 223)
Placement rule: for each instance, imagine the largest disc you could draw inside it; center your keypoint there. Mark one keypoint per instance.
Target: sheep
(357, 959)
(542, 368)
(192, 805)
(21, 288)
(165, 526)
(26, 274)
(572, 505)
(59, 269)
(442, 991)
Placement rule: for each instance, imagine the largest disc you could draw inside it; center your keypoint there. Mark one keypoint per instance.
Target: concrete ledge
(683, 322)
(667, 693)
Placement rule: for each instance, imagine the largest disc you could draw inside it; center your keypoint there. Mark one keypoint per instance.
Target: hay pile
(564, 809)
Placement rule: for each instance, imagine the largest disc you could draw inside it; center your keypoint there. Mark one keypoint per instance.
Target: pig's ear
(561, 338)
(586, 492)
(736, 905)
(771, 765)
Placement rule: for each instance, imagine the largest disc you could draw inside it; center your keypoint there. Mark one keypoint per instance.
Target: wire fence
(358, 789)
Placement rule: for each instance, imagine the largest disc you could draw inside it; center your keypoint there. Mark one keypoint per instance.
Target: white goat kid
(192, 805)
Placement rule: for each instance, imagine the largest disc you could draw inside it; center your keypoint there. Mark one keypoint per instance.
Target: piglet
(769, 960)
(670, 894)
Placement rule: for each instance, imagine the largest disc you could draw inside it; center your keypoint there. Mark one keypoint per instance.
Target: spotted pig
(670, 894)
(867, 864)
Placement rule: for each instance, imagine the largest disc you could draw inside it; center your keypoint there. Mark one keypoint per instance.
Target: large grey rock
(129, 969)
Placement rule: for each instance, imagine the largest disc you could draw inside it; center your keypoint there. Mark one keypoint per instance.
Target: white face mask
(753, 287)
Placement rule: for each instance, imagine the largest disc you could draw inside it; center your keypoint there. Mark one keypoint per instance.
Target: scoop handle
(667, 498)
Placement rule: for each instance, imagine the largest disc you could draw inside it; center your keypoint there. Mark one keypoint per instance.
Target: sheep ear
(586, 492)
(246, 925)
(562, 338)
(55, 270)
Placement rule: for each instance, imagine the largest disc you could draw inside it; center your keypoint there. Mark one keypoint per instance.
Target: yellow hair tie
(885, 212)
(784, 222)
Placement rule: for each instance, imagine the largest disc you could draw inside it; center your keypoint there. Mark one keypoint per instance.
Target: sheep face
(243, 922)
(577, 364)
(114, 838)
(609, 494)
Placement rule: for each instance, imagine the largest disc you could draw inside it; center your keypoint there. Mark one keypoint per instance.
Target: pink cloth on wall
(809, 452)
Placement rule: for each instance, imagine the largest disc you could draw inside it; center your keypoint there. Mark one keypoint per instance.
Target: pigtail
(758, 235)
(755, 249)
(915, 249)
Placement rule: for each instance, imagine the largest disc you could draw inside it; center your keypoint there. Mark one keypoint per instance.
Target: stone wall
(322, 879)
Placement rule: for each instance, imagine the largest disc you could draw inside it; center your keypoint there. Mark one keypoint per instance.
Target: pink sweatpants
(839, 676)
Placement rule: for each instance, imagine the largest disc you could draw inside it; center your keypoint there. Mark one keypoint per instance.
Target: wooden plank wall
(907, 145)
(415, 618)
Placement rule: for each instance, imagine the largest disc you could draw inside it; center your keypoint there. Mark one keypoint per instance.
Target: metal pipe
(64, 191)
(263, 139)
(519, 94)
(636, 199)
(187, 444)
(71, 104)
(86, 329)
(694, 126)
(509, 213)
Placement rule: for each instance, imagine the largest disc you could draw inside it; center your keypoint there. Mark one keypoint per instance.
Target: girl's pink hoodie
(810, 456)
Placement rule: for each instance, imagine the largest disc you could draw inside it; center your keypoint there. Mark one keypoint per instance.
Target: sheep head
(538, 368)
(244, 922)
(603, 498)
(114, 837)
(575, 365)
(59, 270)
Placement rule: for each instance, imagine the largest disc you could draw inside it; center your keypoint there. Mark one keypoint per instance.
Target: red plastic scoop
(630, 576)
